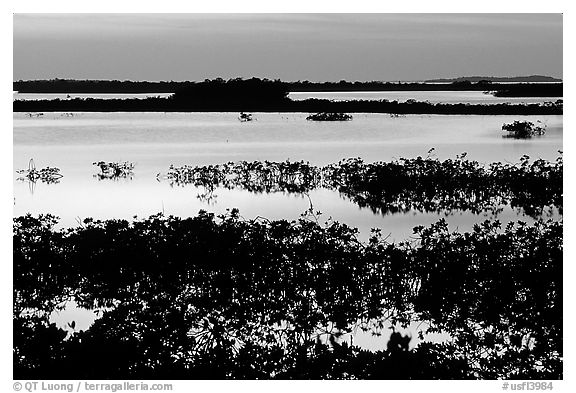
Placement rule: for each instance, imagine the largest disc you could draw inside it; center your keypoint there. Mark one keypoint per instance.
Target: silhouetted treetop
(233, 91)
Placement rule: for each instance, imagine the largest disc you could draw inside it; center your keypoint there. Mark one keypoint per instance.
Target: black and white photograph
(287, 196)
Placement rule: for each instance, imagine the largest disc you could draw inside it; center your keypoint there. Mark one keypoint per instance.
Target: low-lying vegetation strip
(256, 176)
(521, 87)
(428, 184)
(172, 104)
(264, 95)
(225, 297)
(324, 116)
(422, 184)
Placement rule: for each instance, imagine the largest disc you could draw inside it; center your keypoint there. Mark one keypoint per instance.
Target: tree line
(134, 87)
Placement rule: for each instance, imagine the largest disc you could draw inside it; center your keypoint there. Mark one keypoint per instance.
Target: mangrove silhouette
(245, 117)
(49, 175)
(114, 170)
(324, 116)
(523, 129)
(419, 184)
(533, 88)
(493, 79)
(264, 95)
(257, 176)
(234, 93)
(223, 297)
(536, 90)
(170, 104)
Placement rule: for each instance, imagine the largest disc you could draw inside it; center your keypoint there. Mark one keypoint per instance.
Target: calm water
(446, 97)
(84, 319)
(64, 96)
(154, 141)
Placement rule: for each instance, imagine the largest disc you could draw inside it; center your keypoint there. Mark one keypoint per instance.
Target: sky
(315, 47)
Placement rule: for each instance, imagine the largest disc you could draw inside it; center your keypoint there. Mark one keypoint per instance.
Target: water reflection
(153, 141)
(156, 281)
(114, 170)
(401, 186)
(218, 292)
(372, 336)
(142, 198)
(46, 175)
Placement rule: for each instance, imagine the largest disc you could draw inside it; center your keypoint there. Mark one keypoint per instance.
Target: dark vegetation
(419, 184)
(520, 89)
(234, 93)
(245, 117)
(523, 129)
(325, 116)
(492, 79)
(47, 175)
(115, 86)
(225, 297)
(115, 170)
(257, 176)
(427, 184)
(537, 90)
(251, 95)
(154, 104)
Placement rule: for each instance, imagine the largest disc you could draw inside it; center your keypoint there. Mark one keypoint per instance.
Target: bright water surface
(154, 141)
(445, 97)
(69, 96)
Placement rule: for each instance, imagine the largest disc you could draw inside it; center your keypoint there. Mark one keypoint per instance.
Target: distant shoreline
(155, 104)
(66, 86)
(264, 95)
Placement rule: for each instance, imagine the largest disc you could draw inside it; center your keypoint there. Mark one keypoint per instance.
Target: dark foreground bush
(208, 297)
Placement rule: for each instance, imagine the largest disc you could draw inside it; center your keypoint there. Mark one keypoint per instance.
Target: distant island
(264, 95)
(68, 86)
(515, 79)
